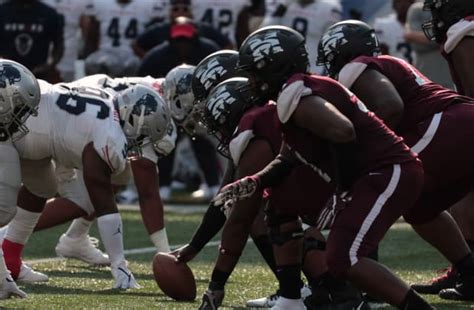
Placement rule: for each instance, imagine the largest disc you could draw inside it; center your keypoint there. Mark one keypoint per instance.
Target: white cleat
(82, 248)
(124, 278)
(9, 289)
(28, 275)
(270, 301)
(289, 304)
(205, 192)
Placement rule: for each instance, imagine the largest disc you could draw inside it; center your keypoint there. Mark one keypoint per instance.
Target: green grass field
(74, 285)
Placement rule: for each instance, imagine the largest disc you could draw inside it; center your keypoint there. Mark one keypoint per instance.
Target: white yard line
(127, 252)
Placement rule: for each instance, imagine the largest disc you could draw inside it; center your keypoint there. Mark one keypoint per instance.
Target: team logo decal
(9, 74)
(23, 44)
(269, 45)
(148, 102)
(183, 86)
(332, 40)
(217, 104)
(209, 74)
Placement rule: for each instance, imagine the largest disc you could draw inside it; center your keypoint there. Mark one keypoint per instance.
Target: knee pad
(279, 237)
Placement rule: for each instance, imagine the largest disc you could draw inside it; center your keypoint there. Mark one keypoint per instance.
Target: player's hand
(230, 194)
(185, 253)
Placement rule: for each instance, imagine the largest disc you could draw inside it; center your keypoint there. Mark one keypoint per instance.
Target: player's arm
(211, 224)
(145, 176)
(379, 94)
(91, 33)
(462, 58)
(323, 119)
(97, 177)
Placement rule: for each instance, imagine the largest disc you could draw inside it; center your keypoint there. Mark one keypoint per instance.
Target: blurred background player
(34, 32)
(391, 31)
(309, 17)
(19, 98)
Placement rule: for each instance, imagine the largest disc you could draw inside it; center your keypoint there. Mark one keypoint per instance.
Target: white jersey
(114, 85)
(390, 32)
(68, 119)
(72, 10)
(310, 20)
(221, 14)
(120, 24)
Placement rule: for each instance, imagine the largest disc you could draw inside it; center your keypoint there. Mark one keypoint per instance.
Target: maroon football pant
(445, 145)
(379, 198)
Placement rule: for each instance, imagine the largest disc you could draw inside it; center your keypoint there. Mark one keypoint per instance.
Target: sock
(289, 277)
(218, 280)
(110, 229)
(21, 226)
(265, 248)
(470, 243)
(466, 265)
(160, 240)
(413, 301)
(79, 228)
(12, 258)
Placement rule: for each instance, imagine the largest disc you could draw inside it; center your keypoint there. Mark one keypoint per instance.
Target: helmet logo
(148, 102)
(208, 75)
(217, 104)
(267, 46)
(9, 73)
(184, 85)
(333, 40)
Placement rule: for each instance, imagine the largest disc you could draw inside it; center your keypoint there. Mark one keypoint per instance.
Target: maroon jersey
(422, 98)
(376, 145)
(455, 34)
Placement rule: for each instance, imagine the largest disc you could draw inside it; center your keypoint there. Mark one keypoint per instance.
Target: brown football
(175, 279)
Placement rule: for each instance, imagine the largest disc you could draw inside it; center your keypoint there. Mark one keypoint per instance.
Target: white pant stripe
(374, 212)
(429, 134)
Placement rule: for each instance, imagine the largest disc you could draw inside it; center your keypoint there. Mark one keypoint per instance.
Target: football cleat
(270, 301)
(464, 289)
(28, 275)
(212, 300)
(83, 248)
(124, 278)
(205, 192)
(285, 304)
(444, 281)
(10, 289)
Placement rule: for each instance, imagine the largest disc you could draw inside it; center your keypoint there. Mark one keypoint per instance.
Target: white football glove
(230, 194)
(124, 278)
(9, 289)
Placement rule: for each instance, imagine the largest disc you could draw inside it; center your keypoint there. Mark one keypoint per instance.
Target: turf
(74, 285)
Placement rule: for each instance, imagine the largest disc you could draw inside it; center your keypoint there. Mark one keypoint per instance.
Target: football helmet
(270, 56)
(113, 62)
(20, 96)
(212, 70)
(345, 41)
(444, 14)
(179, 95)
(224, 107)
(143, 114)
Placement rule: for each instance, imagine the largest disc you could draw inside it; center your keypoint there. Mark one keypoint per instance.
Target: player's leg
(377, 201)
(206, 156)
(39, 183)
(10, 180)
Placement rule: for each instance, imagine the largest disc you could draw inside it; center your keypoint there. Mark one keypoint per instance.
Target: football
(175, 279)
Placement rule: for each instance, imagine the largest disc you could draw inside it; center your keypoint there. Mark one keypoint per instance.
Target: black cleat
(212, 300)
(464, 290)
(445, 281)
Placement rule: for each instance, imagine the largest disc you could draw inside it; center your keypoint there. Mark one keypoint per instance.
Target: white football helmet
(113, 62)
(144, 115)
(19, 98)
(180, 97)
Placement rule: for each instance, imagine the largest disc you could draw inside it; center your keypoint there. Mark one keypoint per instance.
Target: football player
(19, 98)
(377, 177)
(91, 130)
(426, 115)
(309, 17)
(452, 26)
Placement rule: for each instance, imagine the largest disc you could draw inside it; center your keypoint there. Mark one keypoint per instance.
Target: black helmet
(444, 14)
(224, 107)
(271, 55)
(345, 41)
(212, 70)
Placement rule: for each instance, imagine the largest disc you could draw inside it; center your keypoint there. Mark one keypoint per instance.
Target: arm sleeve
(276, 171)
(212, 222)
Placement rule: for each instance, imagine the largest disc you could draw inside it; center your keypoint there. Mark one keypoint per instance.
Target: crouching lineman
(19, 98)
(91, 130)
(377, 177)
